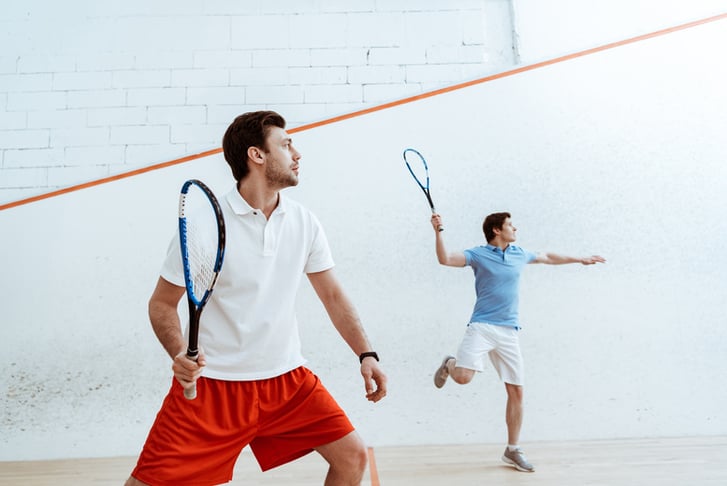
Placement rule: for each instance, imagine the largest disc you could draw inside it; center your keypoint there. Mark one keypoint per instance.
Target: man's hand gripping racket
(202, 242)
(410, 152)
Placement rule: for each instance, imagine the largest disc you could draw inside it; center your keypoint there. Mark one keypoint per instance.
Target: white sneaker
(517, 459)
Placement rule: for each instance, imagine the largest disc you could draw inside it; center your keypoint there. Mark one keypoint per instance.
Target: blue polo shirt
(497, 282)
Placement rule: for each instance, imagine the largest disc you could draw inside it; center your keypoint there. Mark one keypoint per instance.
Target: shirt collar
(241, 207)
(497, 249)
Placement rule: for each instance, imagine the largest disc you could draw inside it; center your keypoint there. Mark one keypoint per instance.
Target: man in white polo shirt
(252, 386)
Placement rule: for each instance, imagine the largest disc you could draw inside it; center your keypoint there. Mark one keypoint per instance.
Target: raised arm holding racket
(492, 333)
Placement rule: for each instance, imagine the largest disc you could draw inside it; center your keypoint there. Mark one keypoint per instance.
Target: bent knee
(462, 376)
(353, 462)
(347, 454)
(358, 456)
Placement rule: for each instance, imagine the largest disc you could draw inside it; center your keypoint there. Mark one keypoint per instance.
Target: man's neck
(502, 245)
(259, 196)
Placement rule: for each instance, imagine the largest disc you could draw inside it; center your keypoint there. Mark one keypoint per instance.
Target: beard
(280, 177)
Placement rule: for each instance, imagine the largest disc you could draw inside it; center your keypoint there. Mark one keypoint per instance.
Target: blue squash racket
(424, 186)
(202, 242)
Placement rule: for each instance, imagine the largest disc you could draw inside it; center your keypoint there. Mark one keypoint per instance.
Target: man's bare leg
(514, 412)
(346, 459)
(461, 376)
(448, 369)
(134, 482)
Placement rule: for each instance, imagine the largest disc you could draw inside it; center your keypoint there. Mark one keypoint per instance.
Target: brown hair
(492, 222)
(247, 130)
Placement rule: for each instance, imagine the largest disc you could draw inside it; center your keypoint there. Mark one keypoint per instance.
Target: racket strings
(202, 256)
(417, 168)
(202, 241)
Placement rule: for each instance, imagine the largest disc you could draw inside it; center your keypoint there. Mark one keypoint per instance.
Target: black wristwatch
(368, 354)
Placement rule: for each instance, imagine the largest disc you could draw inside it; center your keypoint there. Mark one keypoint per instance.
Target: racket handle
(191, 392)
(440, 228)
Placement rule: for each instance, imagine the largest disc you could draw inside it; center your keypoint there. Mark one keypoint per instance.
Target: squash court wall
(619, 153)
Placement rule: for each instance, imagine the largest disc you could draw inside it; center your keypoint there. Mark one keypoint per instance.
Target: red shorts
(196, 442)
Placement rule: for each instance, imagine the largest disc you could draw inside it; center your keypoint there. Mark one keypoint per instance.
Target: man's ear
(255, 155)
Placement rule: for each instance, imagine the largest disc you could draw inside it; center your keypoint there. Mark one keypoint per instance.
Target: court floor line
(373, 472)
(385, 106)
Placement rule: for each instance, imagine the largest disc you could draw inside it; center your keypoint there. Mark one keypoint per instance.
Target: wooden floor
(664, 462)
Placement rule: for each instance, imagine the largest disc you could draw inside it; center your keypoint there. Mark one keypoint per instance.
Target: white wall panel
(619, 153)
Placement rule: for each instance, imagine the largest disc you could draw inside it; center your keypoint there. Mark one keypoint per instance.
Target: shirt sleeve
(171, 270)
(320, 257)
(468, 254)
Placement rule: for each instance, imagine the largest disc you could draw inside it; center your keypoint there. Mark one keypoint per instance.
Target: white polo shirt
(248, 329)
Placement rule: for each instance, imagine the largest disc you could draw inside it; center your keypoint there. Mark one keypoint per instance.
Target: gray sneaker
(517, 459)
(442, 373)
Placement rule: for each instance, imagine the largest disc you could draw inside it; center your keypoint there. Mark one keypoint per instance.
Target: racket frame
(196, 303)
(424, 188)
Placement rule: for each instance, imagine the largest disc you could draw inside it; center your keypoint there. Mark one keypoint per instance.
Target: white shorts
(502, 345)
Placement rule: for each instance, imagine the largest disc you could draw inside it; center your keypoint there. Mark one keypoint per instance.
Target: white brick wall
(89, 89)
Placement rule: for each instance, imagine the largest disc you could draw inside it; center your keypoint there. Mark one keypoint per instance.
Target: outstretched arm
(346, 321)
(555, 259)
(451, 259)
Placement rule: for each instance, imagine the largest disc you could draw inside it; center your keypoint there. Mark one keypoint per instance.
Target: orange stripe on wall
(512, 72)
(112, 178)
(384, 106)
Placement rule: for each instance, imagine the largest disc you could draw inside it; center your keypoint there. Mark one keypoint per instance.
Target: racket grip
(440, 228)
(191, 392)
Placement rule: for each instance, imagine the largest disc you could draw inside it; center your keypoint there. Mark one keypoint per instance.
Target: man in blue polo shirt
(493, 328)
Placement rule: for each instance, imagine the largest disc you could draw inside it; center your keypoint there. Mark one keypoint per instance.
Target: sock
(511, 447)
